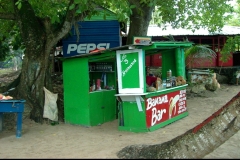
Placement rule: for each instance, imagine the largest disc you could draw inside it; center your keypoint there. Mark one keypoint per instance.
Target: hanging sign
(130, 71)
(142, 40)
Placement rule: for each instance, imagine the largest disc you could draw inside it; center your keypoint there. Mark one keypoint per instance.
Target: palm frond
(169, 37)
(200, 51)
(200, 54)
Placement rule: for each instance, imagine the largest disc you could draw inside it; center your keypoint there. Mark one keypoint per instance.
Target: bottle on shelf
(168, 83)
(164, 84)
(174, 82)
(169, 74)
(169, 79)
(93, 86)
(98, 84)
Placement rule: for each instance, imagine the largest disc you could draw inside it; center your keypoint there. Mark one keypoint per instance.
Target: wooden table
(12, 106)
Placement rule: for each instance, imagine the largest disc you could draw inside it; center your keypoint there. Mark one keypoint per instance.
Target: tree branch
(7, 16)
(70, 19)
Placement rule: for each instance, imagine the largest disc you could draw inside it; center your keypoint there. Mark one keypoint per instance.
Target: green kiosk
(110, 84)
(89, 87)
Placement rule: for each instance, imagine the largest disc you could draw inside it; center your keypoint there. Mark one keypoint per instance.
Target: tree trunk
(35, 64)
(139, 20)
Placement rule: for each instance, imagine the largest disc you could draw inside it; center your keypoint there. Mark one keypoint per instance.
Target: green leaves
(132, 6)
(72, 6)
(193, 14)
(4, 50)
(200, 51)
(79, 1)
(19, 4)
(55, 19)
(76, 2)
(78, 11)
(234, 19)
(232, 44)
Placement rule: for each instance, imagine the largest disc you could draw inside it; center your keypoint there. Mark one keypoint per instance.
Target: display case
(101, 76)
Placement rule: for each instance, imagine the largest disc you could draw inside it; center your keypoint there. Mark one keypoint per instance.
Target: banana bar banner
(163, 107)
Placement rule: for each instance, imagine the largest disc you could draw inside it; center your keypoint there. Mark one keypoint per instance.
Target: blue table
(12, 106)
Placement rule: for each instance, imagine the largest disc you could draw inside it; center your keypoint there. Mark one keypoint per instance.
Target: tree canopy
(194, 14)
(235, 19)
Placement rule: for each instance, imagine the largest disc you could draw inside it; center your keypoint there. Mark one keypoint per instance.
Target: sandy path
(71, 141)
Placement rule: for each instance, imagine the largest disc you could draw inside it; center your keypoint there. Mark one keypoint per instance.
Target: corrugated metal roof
(154, 30)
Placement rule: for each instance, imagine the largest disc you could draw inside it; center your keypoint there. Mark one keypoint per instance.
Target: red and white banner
(163, 107)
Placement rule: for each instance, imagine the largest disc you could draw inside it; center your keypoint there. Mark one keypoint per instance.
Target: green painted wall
(168, 62)
(102, 107)
(133, 119)
(76, 91)
(173, 59)
(82, 107)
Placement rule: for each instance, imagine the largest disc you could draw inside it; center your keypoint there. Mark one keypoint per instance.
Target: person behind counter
(150, 78)
(153, 82)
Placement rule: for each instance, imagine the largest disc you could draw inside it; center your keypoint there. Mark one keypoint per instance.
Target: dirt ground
(104, 141)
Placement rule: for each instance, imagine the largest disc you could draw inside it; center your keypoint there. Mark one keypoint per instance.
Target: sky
(233, 2)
